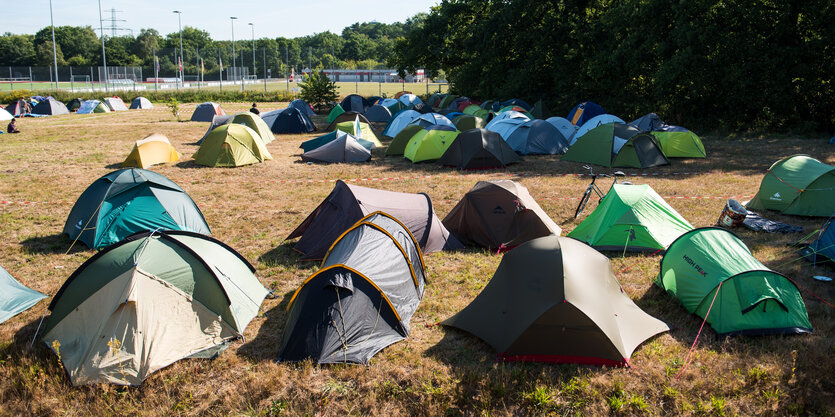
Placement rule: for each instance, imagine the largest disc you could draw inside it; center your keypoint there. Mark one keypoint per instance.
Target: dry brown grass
(436, 371)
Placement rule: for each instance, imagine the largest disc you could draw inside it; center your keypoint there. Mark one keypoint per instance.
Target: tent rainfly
(584, 112)
(15, 297)
(149, 301)
(499, 214)
(360, 130)
(346, 204)
(289, 120)
(141, 103)
(349, 116)
(153, 149)
(711, 267)
(369, 286)
(399, 121)
(799, 185)
(429, 144)
(128, 201)
(254, 122)
(537, 137)
(5, 115)
(115, 104)
(232, 145)
(205, 112)
(478, 149)
(303, 107)
(617, 145)
(51, 107)
(93, 106)
(318, 141)
(355, 103)
(594, 122)
(378, 114)
(554, 299)
(344, 148)
(335, 111)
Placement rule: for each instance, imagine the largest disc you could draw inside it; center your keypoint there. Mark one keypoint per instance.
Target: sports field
(437, 370)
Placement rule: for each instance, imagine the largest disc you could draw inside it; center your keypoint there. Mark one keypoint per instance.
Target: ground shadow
(52, 244)
(117, 165)
(190, 164)
(265, 344)
(285, 255)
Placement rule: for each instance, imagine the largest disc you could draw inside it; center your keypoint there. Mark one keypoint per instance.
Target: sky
(271, 19)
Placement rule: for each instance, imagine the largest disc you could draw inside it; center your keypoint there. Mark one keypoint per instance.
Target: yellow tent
(154, 149)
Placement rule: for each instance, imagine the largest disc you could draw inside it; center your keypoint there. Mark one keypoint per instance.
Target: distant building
(366, 75)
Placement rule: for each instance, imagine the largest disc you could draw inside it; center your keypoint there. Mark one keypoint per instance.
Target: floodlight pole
(232, 19)
(103, 51)
(54, 50)
(182, 58)
(252, 25)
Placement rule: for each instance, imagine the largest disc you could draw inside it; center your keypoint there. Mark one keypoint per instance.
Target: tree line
(734, 64)
(360, 45)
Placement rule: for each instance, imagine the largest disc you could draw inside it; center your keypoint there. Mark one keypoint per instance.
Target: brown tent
(555, 299)
(499, 213)
(346, 204)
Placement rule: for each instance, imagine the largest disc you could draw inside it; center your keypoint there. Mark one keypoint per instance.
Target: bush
(318, 90)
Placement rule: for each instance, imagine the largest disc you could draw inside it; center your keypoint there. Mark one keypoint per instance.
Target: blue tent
(822, 250)
(302, 106)
(289, 120)
(537, 137)
(355, 102)
(516, 102)
(584, 111)
(15, 298)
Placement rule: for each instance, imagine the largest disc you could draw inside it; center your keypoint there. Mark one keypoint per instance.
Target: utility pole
(103, 51)
(232, 19)
(253, 50)
(182, 59)
(54, 51)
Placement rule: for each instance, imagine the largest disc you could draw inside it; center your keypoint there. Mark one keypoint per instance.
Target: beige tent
(154, 149)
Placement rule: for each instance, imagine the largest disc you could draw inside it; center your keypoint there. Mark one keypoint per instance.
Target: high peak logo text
(776, 197)
(695, 266)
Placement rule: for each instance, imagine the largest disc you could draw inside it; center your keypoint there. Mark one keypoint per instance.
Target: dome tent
(349, 116)
(466, 122)
(318, 141)
(498, 214)
(799, 185)
(369, 286)
(205, 112)
(478, 149)
(141, 103)
(399, 121)
(675, 141)
(432, 119)
(346, 204)
(583, 112)
(128, 201)
(232, 145)
(217, 121)
(5, 116)
(751, 299)
(594, 122)
(149, 301)
(115, 104)
(344, 148)
(617, 145)
(303, 107)
(153, 149)
(355, 103)
(15, 297)
(378, 114)
(289, 120)
(254, 122)
(632, 217)
(822, 249)
(429, 144)
(398, 145)
(554, 299)
(74, 104)
(335, 111)
(51, 107)
(92, 106)
(537, 137)
(360, 130)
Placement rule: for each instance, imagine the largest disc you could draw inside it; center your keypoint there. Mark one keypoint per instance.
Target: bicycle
(593, 187)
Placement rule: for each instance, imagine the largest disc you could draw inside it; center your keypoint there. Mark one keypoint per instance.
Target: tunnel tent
(346, 204)
(369, 286)
(584, 112)
(617, 145)
(344, 148)
(555, 299)
(498, 214)
(232, 145)
(141, 103)
(798, 185)
(92, 106)
(711, 266)
(631, 217)
(15, 297)
(148, 301)
(537, 137)
(152, 150)
(478, 149)
(128, 201)
(205, 112)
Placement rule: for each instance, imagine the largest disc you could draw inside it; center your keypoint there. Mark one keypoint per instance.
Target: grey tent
(345, 148)
(431, 119)
(205, 112)
(555, 299)
(361, 300)
(349, 116)
(141, 103)
(15, 297)
(378, 113)
(499, 214)
(348, 203)
(537, 137)
(216, 122)
(51, 107)
(478, 149)
(115, 104)
(649, 121)
(355, 103)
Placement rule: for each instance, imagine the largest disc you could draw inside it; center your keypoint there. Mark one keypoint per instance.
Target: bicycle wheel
(583, 202)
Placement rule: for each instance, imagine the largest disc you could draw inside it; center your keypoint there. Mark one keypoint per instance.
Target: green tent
(255, 123)
(617, 145)
(398, 144)
(231, 145)
(472, 109)
(554, 299)
(467, 122)
(677, 142)
(364, 132)
(799, 185)
(446, 101)
(634, 217)
(335, 112)
(429, 144)
(128, 201)
(752, 299)
(149, 301)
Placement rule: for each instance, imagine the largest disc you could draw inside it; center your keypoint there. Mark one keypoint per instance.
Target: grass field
(437, 370)
(365, 89)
